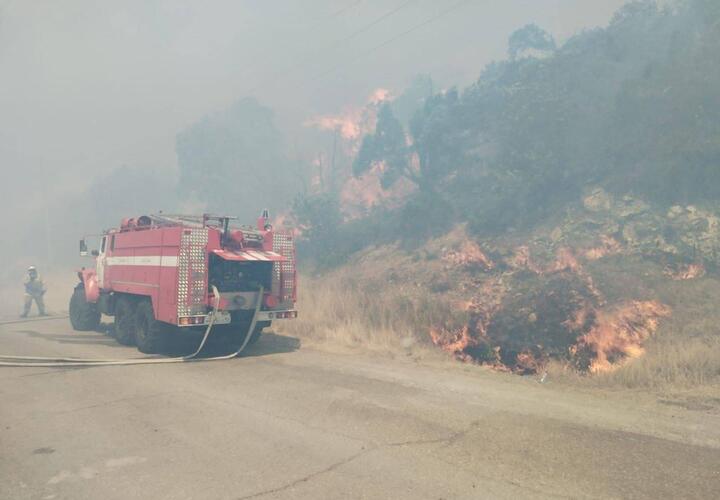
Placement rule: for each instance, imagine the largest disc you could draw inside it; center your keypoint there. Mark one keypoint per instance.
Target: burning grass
(685, 352)
(604, 315)
(618, 335)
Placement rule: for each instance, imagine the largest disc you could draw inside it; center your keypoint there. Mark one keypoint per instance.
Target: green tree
(234, 161)
(387, 144)
(530, 40)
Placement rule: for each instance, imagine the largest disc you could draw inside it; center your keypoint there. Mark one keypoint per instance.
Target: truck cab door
(100, 263)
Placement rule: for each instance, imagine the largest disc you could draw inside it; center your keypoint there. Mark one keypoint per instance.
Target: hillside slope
(565, 206)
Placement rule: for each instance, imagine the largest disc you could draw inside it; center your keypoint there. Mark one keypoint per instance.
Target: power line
(393, 39)
(334, 45)
(337, 13)
(345, 9)
(373, 23)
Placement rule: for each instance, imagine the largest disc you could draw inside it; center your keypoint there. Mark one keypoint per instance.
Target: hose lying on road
(32, 320)
(57, 362)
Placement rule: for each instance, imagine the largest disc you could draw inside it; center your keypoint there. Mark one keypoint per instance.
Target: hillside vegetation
(564, 210)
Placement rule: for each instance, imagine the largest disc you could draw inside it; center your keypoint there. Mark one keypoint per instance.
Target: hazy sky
(88, 85)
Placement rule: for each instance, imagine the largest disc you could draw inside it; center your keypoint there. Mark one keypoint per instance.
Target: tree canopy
(632, 107)
(234, 160)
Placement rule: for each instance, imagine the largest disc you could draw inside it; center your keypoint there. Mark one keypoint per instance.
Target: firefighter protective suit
(34, 290)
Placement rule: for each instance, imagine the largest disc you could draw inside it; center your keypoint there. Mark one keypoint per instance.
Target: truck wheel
(258, 331)
(84, 315)
(232, 336)
(149, 333)
(124, 321)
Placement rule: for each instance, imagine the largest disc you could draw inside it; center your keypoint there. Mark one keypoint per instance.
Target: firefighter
(34, 290)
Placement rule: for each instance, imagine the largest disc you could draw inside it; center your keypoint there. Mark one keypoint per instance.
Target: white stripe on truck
(143, 260)
(255, 255)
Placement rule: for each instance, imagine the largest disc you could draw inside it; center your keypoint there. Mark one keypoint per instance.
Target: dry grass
(690, 363)
(667, 365)
(354, 309)
(343, 311)
(685, 352)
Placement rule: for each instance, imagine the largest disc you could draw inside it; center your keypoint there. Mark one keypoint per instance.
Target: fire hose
(59, 362)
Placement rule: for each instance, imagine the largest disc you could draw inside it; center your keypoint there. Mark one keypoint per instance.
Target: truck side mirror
(83, 248)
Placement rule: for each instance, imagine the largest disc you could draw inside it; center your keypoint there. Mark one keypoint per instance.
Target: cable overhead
(337, 13)
(392, 39)
(372, 24)
(345, 9)
(333, 46)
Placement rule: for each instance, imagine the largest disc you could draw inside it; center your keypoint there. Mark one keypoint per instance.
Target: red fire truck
(161, 274)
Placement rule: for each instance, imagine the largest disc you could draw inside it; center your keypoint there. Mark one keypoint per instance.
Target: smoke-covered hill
(632, 108)
(558, 204)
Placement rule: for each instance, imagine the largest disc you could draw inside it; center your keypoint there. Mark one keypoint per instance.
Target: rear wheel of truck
(149, 333)
(84, 315)
(233, 336)
(257, 332)
(125, 321)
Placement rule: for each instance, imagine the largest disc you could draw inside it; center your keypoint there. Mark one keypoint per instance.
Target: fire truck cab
(159, 274)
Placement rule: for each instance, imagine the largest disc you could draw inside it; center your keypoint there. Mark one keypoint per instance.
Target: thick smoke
(93, 96)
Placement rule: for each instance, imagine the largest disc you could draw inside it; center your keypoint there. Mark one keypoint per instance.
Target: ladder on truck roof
(198, 221)
(189, 220)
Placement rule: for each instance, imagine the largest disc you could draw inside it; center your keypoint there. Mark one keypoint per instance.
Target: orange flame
(619, 334)
(521, 260)
(454, 341)
(526, 363)
(359, 194)
(685, 272)
(469, 253)
(580, 318)
(565, 261)
(608, 246)
(460, 342)
(353, 122)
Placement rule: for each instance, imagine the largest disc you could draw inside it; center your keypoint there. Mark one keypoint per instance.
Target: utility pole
(321, 173)
(46, 214)
(333, 173)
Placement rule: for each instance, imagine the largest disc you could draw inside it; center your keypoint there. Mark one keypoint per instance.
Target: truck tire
(150, 334)
(257, 332)
(84, 315)
(125, 321)
(232, 336)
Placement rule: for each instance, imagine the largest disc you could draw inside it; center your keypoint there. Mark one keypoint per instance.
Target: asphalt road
(288, 422)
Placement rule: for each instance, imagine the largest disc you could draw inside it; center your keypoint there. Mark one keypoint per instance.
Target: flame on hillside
(527, 362)
(456, 341)
(599, 338)
(469, 253)
(608, 246)
(521, 260)
(359, 194)
(565, 260)
(685, 272)
(466, 342)
(353, 122)
(619, 334)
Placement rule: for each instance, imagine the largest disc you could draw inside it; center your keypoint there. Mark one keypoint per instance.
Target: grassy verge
(686, 350)
(337, 310)
(352, 310)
